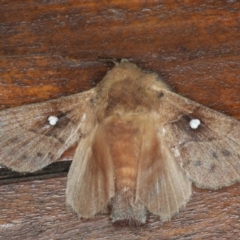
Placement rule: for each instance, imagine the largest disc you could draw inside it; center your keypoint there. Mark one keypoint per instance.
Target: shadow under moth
(140, 146)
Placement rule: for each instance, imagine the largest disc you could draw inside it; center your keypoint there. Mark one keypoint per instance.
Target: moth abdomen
(123, 135)
(127, 210)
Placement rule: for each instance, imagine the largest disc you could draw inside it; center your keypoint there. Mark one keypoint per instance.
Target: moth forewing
(208, 153)
(33, 136)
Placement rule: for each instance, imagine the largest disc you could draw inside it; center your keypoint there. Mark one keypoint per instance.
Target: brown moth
(140, 146)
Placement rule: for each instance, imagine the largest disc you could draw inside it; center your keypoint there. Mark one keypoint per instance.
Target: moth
(140, 145)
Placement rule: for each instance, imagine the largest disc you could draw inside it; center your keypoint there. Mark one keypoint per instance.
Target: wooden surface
(36, 210)
(49, 48)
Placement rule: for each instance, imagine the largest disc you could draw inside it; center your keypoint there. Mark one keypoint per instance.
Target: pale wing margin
(210, 154)
(28, 142)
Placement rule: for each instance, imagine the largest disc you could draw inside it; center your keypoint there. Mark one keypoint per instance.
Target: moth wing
(28, 142)
(162, 186)
(90, 184)
(209, 154)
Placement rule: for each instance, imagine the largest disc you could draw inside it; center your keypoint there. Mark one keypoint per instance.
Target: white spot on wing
(194, 123)
(52, 120)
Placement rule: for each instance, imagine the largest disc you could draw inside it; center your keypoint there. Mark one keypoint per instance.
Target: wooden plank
(36, 210)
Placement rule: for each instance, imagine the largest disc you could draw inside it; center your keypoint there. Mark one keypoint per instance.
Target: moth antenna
(107, 60)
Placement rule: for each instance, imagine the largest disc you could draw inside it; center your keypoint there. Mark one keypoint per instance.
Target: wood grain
(49, 48)
(36, 210)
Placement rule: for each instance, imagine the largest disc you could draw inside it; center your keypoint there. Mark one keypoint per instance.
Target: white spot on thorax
(52, 120)
(194, 123)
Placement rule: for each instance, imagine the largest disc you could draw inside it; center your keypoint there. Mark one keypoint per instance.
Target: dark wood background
(48, 49)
